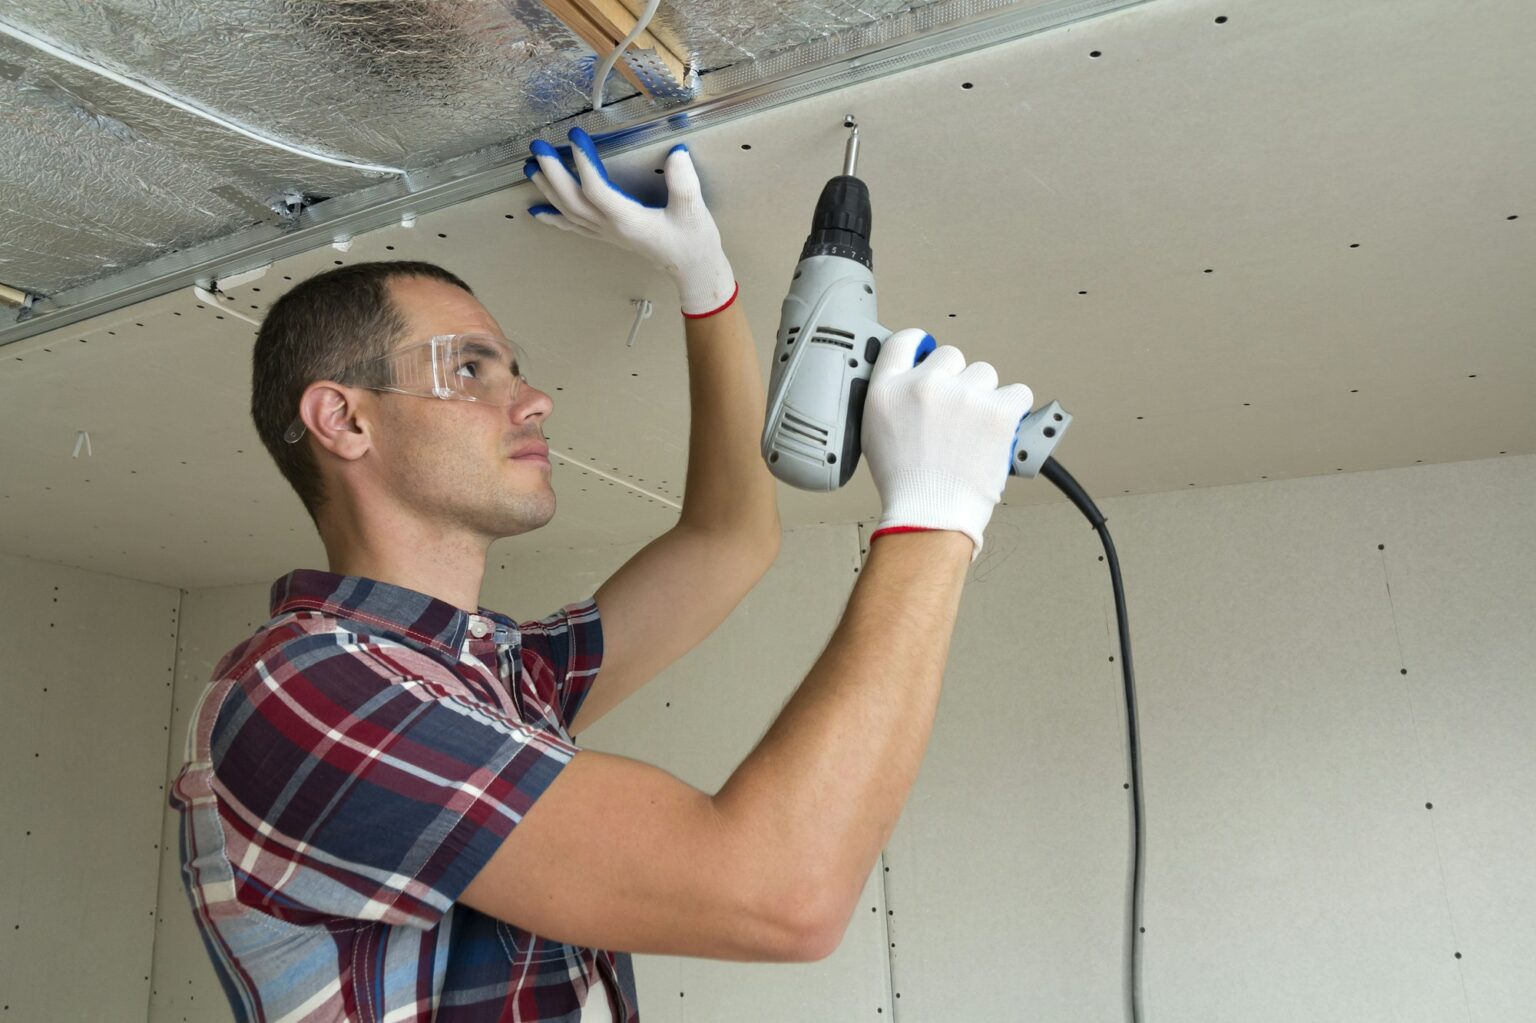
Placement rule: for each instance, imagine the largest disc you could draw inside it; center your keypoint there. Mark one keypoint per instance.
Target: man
(385, 816)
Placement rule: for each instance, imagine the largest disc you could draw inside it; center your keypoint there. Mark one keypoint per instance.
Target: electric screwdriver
(829, 338)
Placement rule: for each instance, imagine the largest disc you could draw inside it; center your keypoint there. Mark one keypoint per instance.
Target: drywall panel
(185, 987)
(85, 668)
(1006, 871)
(1460, 577)
(699, 720)
(1294, 869)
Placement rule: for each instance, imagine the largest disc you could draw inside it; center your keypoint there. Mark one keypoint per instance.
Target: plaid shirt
(350, 768)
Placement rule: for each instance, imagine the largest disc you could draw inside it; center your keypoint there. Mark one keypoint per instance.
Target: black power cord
(1064, 481)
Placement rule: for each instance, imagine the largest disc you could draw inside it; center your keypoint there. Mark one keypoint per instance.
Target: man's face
(457, 462)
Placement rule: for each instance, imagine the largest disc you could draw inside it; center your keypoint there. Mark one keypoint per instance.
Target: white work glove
(939, 437)
(680, 238)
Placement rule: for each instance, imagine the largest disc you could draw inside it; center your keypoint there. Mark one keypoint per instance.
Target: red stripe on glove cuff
(700, 316)
(899, 529)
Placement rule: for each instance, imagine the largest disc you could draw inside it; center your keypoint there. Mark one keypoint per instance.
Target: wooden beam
(602, 24)
(594, 36)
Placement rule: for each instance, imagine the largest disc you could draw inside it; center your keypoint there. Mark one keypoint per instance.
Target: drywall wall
(85, 669)
(1337, 683)
(185, 987)
(1294, 868)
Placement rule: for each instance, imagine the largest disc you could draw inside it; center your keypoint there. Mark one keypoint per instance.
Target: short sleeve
(562, 654)
(352, 785)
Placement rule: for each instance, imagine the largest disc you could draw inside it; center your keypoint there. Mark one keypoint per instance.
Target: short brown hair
(319, 330)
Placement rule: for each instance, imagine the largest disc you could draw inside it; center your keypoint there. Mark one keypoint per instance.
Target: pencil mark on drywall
(1002, 539)
(1386, 577)
(890, 937)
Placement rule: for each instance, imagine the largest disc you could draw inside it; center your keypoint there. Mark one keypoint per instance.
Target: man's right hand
(939, 437)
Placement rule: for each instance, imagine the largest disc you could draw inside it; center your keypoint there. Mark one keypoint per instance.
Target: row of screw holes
(747, 146)
(969, 85)
(17, 927)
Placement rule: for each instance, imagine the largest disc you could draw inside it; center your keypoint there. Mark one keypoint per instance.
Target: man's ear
(336, 418)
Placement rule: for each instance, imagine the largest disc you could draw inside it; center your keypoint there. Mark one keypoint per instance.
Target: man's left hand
(680, 237)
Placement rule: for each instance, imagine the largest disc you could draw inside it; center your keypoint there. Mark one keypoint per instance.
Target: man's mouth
(536, 453)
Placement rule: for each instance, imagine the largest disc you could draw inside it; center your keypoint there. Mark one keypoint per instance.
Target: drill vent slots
(822, 339)
(823, 336)
(801, 436)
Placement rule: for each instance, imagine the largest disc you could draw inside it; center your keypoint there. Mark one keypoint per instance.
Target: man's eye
(471, 369)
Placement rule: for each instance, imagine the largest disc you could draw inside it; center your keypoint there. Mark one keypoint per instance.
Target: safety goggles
(460, 367)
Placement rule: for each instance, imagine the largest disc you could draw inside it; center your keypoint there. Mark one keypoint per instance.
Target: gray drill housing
(829, 339)
(826, 348)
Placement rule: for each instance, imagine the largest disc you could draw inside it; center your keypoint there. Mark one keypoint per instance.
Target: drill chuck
(841, 223)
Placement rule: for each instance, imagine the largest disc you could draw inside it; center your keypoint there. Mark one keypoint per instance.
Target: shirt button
(478, 627)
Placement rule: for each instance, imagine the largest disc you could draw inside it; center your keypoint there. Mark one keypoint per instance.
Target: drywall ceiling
(1242, 242)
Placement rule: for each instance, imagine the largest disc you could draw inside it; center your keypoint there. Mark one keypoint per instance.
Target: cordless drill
(829, 339)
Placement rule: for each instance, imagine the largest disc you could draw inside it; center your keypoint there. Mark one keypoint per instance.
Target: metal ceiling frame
(937, 32)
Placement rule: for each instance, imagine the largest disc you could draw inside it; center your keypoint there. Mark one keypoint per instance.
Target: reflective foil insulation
(98, 177)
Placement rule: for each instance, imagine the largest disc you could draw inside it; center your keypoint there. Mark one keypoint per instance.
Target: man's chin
(528, 516)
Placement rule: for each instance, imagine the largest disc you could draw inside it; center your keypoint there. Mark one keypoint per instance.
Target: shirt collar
(416, 618)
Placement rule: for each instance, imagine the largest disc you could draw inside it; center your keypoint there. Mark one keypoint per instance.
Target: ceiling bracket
(18, 299)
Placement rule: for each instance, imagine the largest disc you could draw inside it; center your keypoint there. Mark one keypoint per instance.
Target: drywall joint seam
(1413, 720)
(170, 748)
(890, 942)
(851, 57)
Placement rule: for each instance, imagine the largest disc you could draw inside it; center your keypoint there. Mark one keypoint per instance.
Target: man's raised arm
(620, 855)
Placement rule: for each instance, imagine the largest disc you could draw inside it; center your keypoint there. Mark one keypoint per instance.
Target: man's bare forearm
(818, 798)
(729, 488)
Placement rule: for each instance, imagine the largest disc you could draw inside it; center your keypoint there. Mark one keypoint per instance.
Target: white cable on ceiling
(594, 470)
(613, 58)
(204, 295)
(165, 97)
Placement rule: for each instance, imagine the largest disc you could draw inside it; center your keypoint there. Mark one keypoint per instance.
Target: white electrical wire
(204, 295)
(165, 97)
(613, 58)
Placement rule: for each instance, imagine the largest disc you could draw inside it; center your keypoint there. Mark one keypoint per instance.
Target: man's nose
(531, 401)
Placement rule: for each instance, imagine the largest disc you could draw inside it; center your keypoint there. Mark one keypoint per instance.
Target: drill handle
(1037, 436)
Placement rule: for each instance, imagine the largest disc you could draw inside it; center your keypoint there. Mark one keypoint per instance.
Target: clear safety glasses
(461, 367)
